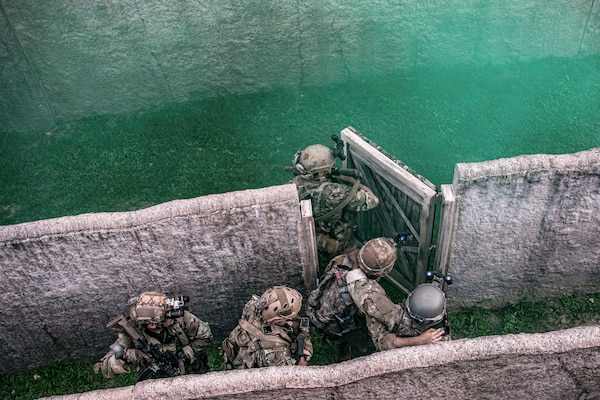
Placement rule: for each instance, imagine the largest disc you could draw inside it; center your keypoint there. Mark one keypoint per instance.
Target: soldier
(420, 319)
(332, 311)
(161, 337)
(335, 198)
(270, 332)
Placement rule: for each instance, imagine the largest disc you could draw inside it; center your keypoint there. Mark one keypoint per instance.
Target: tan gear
(315, 158)
(150, 308)
(377, 257)
(327, 244)
(279, 303)
(426, 305)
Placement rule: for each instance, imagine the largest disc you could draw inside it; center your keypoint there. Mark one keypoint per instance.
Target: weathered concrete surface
(528, 228)
(63, 60)
(64, 278)
(556, 365)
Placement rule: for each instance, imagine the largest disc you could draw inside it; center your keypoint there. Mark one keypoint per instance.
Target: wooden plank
(309, 256)
(447, 222)
(393, 171)
(426, 223)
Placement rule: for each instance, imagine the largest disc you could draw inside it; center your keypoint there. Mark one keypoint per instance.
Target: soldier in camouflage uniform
(335, 199)
(415, 322)
(270, 332)
(178, 331)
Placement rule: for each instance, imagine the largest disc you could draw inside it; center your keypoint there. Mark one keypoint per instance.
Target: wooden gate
(407, 207)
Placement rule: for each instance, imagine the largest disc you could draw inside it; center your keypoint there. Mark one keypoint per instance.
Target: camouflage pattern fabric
(201, 340)
(326, 196)
(383, 316)
(243, 349)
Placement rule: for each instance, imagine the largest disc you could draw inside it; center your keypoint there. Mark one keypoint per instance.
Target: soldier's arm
(427, 337)
(199, 331)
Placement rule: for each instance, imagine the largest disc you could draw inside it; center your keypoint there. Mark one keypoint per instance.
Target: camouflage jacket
(199, 338)
(383, 316)
(325, 196)
(255, 344)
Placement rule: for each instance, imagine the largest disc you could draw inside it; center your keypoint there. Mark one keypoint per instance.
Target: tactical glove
(189, 353)
(134, 356)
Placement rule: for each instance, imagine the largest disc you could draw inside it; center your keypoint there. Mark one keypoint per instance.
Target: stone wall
(527, 229)
(64, 279)
(556, 365)
(63, 60)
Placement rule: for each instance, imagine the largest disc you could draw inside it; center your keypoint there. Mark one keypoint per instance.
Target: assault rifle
(161, 364)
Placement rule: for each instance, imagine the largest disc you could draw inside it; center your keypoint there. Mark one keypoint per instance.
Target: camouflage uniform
(357, 342)
(253, 343)
(383, 316)
(326, 196)
(197, 331)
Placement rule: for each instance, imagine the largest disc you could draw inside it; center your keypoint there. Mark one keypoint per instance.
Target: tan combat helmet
(426, 305)
(279, 304)
(313, 159)
(150, 307)
(377, 257)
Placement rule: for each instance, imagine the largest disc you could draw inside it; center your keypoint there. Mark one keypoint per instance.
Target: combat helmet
(315, 158)
(150, 307)
(279, 303)
(377, 257)
(426, 305)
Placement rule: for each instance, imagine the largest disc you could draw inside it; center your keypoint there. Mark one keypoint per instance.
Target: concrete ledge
(555, 365)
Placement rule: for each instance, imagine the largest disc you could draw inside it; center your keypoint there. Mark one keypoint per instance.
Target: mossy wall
(64, 60)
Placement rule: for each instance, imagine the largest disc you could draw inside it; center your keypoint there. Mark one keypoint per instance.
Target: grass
(527, 317)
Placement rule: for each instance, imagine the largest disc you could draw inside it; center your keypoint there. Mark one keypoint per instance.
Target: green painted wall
(64, 59)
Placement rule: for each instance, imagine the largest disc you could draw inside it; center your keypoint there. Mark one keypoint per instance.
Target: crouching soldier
(270, 332)
(161, 337)
(420, 319)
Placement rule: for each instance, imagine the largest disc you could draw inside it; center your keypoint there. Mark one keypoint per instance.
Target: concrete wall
(527, 228)
(63, 60)
(556, 365)
(63, 279)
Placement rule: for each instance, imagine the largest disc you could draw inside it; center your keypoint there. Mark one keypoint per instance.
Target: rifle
(301, 338)
(161, 364)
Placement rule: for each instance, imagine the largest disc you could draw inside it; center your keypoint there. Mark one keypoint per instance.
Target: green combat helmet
(377, 257)
(313, 159)
(426, 305)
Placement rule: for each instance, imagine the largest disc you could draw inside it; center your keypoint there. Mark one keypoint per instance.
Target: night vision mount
(179, 305)
(438, 278)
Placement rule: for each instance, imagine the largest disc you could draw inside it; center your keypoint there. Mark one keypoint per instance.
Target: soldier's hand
(431, 335)
(189, 353)
(302, 362)
(134, 356)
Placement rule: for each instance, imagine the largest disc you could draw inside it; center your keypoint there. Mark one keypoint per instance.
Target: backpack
(330, 307)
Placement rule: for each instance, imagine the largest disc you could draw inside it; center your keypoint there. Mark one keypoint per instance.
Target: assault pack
(330, 307)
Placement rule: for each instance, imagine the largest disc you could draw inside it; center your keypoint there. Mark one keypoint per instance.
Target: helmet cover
(377, 257)
(150, 308)
(279, 303)
(313, 159)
